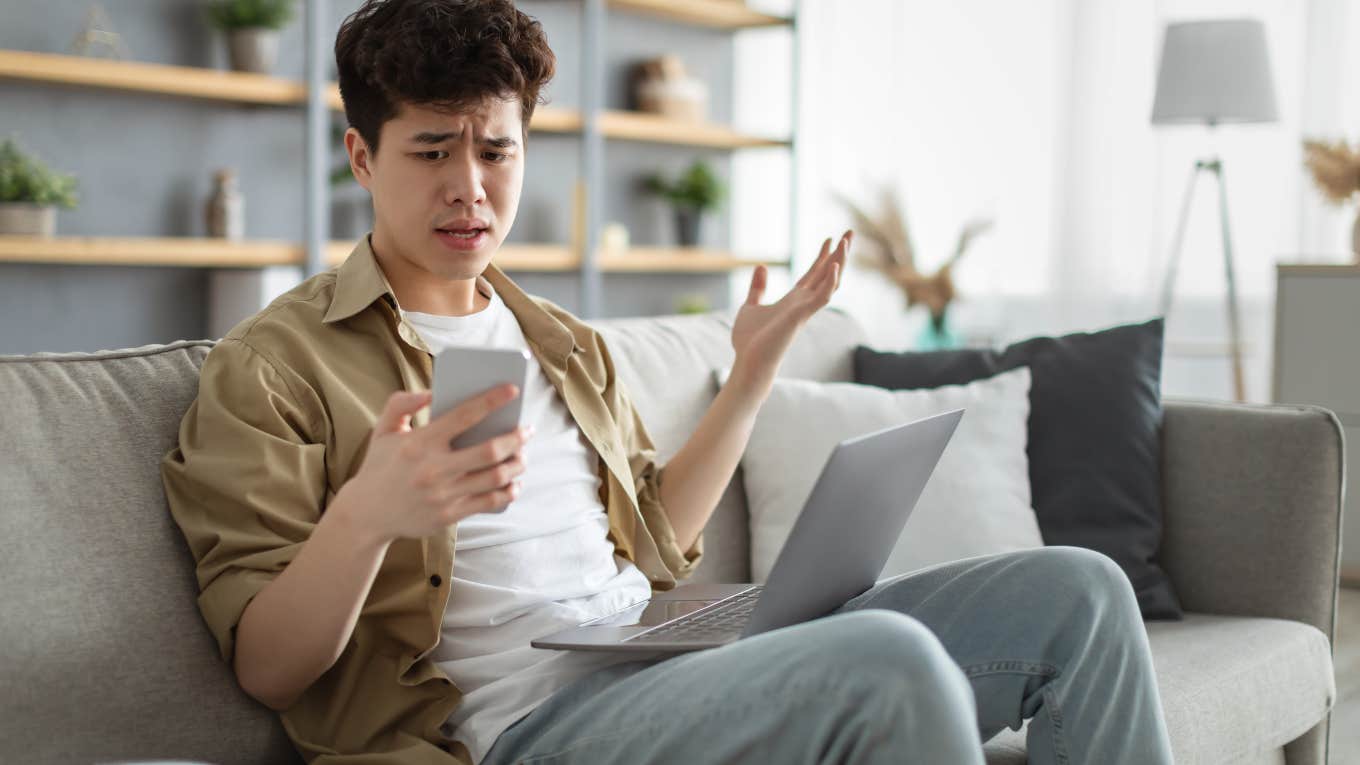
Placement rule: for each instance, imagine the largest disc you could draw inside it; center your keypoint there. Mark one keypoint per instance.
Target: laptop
(852, 519)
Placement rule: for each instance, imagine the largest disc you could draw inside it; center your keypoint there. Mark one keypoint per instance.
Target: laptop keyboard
(720, 622)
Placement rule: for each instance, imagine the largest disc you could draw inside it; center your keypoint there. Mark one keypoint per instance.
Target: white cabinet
(1317, 361)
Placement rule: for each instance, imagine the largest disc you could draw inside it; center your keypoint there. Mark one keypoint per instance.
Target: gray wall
(145, 164)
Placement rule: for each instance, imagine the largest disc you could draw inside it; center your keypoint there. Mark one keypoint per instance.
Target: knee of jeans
(1101, 584)
(880, 644)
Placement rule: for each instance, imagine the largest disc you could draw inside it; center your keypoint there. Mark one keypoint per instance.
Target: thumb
(396, 413)
(757, 286)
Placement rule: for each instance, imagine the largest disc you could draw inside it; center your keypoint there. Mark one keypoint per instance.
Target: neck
(417, 289)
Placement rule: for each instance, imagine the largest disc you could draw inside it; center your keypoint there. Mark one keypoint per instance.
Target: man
(379, 589)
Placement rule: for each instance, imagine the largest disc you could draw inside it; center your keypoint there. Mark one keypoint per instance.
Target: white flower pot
(253, 49)
(24, 219)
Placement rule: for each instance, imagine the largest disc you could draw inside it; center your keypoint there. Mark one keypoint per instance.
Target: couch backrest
(667, 364)
(103, 654)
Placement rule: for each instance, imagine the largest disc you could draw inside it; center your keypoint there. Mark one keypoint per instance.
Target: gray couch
(104, 656)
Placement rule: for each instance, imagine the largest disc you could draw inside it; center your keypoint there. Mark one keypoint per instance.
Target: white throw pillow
(977, 502)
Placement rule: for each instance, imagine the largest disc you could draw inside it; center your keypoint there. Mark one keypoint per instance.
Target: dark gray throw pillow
(1094, 438)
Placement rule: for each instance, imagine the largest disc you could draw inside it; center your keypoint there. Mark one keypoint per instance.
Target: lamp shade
(1213, 72)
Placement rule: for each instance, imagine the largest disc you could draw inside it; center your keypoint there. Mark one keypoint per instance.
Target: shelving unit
(717, 14)
(599, 124)
(677, 260)
(237, 87)
(161, 79)
(202, 252)
(592, 123)
(197, 252)
(636, 126)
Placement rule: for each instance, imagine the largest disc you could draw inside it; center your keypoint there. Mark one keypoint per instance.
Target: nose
(463, 183)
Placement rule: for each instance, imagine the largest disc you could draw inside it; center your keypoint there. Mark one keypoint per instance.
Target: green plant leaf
(697, 187)
(25, 179)
(245, 14)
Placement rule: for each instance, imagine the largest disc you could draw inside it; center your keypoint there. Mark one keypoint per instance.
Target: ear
(359, 158)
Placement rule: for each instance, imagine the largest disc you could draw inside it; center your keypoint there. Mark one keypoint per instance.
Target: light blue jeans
(921, 668)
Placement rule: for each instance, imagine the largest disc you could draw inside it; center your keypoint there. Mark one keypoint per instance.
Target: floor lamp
(1211, 73)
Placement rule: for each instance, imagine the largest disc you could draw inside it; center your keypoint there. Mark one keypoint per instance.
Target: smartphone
(461, 372)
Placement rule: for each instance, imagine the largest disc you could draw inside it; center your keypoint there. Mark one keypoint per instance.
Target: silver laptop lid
(851, 521)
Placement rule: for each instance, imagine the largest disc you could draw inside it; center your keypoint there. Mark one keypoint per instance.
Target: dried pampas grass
(888, 249)
(1335, 168)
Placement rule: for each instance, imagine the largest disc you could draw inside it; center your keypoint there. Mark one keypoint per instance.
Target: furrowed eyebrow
(503, 142)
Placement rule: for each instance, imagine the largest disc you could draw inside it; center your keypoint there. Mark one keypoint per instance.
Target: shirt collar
(359, 281)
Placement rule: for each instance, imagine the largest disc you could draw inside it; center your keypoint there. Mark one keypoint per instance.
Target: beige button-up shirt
(285, 406)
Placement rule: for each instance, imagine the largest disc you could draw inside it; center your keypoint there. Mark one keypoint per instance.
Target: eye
(495, 156)
(427, 155)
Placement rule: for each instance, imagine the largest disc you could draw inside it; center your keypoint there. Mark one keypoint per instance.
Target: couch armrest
(1252, 500)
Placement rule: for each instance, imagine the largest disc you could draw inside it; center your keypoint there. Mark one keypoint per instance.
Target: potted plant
(252, 28)
(694, 193)
(1336, 171)
(30, 193)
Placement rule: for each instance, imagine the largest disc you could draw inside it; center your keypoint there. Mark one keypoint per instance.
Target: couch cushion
(103, 654)
(1234, 689)
(1094, 448)
(975, 503)
(667, 364)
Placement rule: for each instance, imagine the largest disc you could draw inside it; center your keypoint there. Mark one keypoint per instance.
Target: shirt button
(435, 580)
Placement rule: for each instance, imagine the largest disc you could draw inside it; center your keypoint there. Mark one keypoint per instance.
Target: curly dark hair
(448, 54)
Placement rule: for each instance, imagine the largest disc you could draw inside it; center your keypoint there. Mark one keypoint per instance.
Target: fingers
(461, 418)
(839, 262)
(829, 280)
(820, 268)
(500, 476)
(490, 452)
(757, 290)
(821, 256)
(395, 416)
(486, 502)
(477, 479)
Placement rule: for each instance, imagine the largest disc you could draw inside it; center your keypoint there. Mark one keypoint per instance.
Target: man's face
(445, 186)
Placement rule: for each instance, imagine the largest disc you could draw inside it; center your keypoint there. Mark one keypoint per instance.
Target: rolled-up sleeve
(647, 478)
(247, 481)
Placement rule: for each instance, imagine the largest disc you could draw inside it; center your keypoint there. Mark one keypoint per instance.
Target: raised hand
(762, 333)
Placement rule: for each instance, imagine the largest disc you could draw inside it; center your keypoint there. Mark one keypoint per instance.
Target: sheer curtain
(1037, 114)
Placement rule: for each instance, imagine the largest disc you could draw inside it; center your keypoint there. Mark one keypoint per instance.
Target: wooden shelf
(238, 87)
(640, 126)
(547, 119)
(203, 252)
(718, 14)
(194, 252)
(677, 260)
(188, 81)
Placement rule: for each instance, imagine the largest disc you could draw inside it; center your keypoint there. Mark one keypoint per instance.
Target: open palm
(763, 333)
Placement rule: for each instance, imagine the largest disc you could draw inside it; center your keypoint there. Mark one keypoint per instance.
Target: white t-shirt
(540, 565)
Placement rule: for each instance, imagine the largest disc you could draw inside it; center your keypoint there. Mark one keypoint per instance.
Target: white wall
(1038, 113)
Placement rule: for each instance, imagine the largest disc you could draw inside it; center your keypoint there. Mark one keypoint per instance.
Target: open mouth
(462, 239)
(461, 233)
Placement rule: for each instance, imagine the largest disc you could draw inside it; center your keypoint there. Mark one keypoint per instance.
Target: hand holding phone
(413, 483)
(462, 372)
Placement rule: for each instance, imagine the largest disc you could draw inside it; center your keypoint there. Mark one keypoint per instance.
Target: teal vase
(937, 335)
